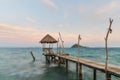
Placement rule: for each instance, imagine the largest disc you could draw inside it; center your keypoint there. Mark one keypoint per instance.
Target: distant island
(76, 46)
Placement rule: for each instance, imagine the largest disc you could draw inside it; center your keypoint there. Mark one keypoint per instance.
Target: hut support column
(66, 65)
(46, 59)
(94, 74)
(59, 61)
(54, 60)
(80, 73)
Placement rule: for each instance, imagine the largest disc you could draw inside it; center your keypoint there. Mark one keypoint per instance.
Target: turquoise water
(17, 64)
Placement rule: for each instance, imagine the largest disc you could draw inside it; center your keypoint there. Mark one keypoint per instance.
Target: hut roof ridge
(48, 39)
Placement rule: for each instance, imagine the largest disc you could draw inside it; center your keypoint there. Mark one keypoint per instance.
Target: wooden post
(54, 59)
(62, 42)
(80, 65)
(80, 72)
(77, 67)
(49, 59)
(32, 56)
(57, 45)
(108, 76)
(46, 59)
(106, 39)
(94, 74)
(66, 65)
(59, 61)
(79, 38)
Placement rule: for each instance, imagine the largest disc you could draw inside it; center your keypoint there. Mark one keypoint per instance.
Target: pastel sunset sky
(23, 23)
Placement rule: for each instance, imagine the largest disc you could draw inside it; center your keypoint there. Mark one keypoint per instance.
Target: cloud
(83, 9)
(87, 12)
(66, 14)
(108, 8)
(63, 25)
(16, 34)
(99, 12)
(28, 19)
(50, 3)
(13, 27)
(26, 35)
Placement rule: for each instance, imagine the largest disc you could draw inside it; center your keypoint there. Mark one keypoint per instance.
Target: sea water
(17, 64)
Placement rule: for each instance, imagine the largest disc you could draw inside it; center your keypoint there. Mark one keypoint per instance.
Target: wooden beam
(46, 59)
(54, 60)
(108, 76)
(59, 61)
(106, 45)
(49, 60)
(66, 65)
(77, 67)
(80, 72)
(94, 74)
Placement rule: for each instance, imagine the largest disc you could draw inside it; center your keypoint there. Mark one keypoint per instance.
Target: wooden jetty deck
(113, 70)
(96, 66)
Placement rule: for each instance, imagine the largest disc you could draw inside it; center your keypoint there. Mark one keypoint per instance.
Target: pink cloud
(19, 34)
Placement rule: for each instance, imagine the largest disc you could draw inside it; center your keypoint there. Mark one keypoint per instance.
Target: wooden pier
(96, 66)
(62, 58)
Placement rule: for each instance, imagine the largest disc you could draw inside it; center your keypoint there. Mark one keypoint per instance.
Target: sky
(23, 23)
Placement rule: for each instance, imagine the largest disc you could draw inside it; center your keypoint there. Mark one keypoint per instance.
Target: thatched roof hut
(48, 39)
(47, 49)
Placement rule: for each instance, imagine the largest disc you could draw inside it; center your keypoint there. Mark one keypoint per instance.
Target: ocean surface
(17, 64)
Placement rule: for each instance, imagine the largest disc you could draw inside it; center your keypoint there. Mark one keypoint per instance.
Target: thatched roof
(48, 39)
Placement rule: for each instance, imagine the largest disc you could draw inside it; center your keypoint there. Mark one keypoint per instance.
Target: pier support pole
(46, 59)
(94, 74)
(66, 65)
(108, 76)
(80, 73)
(77, 67)
(54, 59)
(59, 61)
